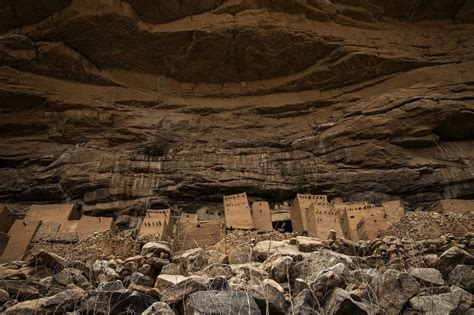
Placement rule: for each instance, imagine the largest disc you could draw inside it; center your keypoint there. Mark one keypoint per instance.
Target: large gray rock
(20, 289)
(453, 257)
(55, 304)
(393, 289)
(178, 292)
(71, 276)
(218, 270)
(265, 249)
(104, 272)
(463, 277)
(310, 268)
(241, 255)
(457, 301)
(278, 267)
(304, 304)
(340, 302)
(120, 301)
(4, 296)
(163, 282)
(156, 249)
(337, 276)
(141, 279)
(110, 286)
(194, 259)
(220, 302)
(159, 308)
(48, 259)
(427, 276)
(269, 299)
(157, 263)
(309, 244)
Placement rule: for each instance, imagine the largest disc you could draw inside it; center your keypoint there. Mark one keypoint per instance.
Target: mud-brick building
(361, 218)
(157, 224)
(261, 217)
(354, 221)
(51, 223)
(237, 212)
(298, 210)
(320, 219)
(203, 228)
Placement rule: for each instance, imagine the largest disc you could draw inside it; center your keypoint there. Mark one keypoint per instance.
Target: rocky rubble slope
(297, 275)
(127, 104)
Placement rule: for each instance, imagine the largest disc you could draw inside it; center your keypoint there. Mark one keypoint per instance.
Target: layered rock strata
(131, 104)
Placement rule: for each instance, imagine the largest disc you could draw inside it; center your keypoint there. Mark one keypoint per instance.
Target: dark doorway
(282, 226)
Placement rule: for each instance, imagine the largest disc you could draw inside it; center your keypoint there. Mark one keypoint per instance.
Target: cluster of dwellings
(207, 226)
(60, 223)
(313, 215)
(316, 216)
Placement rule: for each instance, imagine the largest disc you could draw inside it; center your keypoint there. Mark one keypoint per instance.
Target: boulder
(309, 244)
(393, 289)
(59, 303)
(20, 289)
(48, 259)
(104, 272)
(304, 304)
(265, 249)
(427, 276)
(147, 270)
(269, 299)
(220, 302)
(171, 269)
(360, 276)
(278, 267)
(141, 279)
(457, 301)
(165, 281)
(453, 257)
(249, 271)
(71, 276)
(156, 249)
(193, 259)
(334, 277)
(463, 277)
(340, 302)
(4, 296)
(11, 274)
(273, 284)
(157, 263)
(159, 308)
(119, 301)
(110, 286)
(310, 268)
(241, 255)
(181, 290)
(218, 270)
(219, 283)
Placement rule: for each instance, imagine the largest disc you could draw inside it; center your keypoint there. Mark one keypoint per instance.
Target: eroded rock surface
(127, 104)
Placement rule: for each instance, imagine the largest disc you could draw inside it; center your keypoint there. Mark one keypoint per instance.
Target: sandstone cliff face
(127, 104)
